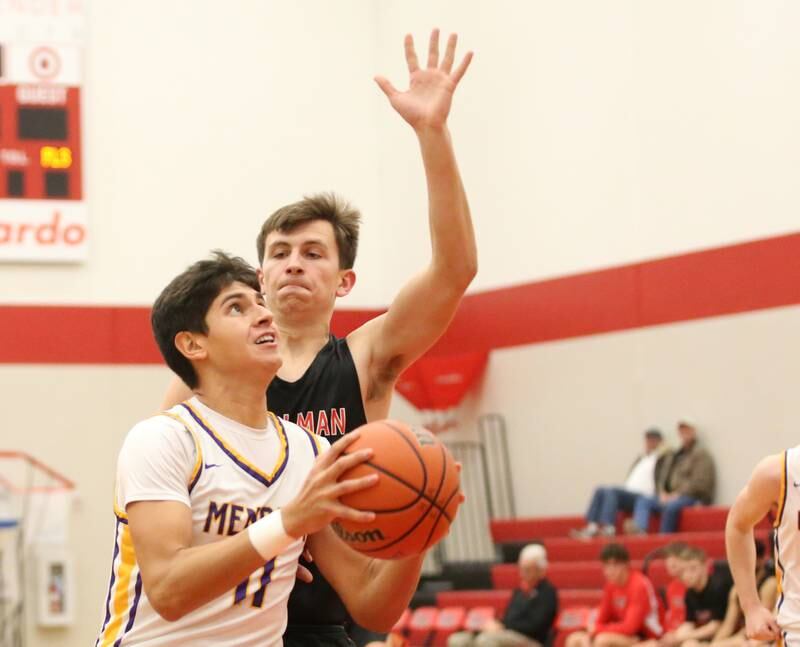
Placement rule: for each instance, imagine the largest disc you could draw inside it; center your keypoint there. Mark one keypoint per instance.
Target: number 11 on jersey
(262, 577)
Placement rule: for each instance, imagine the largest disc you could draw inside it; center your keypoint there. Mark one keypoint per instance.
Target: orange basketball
(416, 497)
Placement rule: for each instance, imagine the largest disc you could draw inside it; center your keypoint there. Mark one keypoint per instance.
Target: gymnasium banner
(43, 214)
(441, 382)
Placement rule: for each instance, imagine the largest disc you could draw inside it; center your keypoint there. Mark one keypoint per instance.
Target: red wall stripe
(727, 280)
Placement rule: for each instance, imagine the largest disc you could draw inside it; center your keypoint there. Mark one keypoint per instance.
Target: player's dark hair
(344, 218)
(615, 553)
(184, 303)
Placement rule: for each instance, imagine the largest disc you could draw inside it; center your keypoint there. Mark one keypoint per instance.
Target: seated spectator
(675, 593)
(629, 611)
(707, 593)
(530, 613)
(688, 480)
(607, 501)
(731, 632)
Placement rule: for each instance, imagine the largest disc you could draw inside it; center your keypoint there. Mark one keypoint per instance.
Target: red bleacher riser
(574, 575)
(422, 625)
(693, 519)
(498, 598)
(639, 546)
(506, 530)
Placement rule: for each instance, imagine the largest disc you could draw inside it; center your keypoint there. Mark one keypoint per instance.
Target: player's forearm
(392, 582)
(197, 575)
(741, 552)
(455, 253)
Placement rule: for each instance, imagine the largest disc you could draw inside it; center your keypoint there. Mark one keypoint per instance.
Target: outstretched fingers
(386, 86)
(433, 50)
(449, 53)
(462, 68)
(411, 54)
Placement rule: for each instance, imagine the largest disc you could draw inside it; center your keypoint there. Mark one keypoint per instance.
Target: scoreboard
(43, 214)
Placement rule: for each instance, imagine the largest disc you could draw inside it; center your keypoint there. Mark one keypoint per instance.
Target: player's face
(241, 332)
(300, 272)
(615, 572)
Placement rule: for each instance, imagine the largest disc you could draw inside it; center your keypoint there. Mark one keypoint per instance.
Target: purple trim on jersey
(110, 583)
(132, 613)
(782, 503)
(261, 478)
(196, 478)
(778, 565)
(313, 442)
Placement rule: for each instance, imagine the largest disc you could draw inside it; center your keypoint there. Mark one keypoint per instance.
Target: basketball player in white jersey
(774, 482)
(215, 496)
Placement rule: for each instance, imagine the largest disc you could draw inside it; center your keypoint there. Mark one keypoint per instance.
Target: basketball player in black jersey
(307, 251)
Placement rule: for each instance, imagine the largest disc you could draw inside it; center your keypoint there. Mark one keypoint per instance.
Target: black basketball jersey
(326, 400)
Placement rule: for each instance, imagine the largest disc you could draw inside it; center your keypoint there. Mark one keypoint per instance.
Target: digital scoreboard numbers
(43, 214)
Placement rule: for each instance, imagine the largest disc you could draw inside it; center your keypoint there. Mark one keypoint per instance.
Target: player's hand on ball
(318, 503)
(760, 624)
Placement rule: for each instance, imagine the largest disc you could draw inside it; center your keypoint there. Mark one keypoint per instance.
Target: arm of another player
(420, 313)
(762, 491)
(375, 591)
(177, 392)
(179, 577)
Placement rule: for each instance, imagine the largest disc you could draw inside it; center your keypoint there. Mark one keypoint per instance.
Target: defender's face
(241, 333)
(301, 268)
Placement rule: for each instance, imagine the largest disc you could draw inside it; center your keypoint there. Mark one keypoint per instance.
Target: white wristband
(268, 535)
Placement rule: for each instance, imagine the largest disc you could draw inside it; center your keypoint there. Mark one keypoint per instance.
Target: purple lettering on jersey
(217, 513)
(234, 518)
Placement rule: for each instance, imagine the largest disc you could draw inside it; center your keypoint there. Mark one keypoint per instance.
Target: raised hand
(318, 503)
(426, 103)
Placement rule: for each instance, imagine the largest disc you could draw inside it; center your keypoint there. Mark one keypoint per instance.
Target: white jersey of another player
(787, 544)
(229, 475)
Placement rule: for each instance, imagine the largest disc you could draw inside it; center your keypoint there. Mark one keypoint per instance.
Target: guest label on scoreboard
(43, 214)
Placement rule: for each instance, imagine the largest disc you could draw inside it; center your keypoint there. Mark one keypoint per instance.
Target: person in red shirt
(675, 593)
(630, 609)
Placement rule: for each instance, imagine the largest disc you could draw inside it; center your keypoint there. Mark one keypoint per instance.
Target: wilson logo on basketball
(359, 536)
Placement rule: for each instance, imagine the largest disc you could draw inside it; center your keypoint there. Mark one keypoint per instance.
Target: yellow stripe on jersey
(782, 498)
(241, 460)
(198, 450)
(123, 593)
(315, 441)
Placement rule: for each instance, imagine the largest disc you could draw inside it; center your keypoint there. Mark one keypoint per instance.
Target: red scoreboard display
(42, 207)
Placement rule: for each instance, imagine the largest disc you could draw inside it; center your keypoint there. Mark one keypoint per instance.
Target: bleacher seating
(574, 569)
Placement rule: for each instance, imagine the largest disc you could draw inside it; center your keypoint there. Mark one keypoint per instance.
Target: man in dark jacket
(689, 479)
(530, 613)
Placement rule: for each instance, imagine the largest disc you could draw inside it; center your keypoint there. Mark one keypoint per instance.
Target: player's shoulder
(163, 428)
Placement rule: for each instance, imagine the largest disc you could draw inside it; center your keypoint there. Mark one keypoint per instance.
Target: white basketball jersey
(787, 543)
(236, 480)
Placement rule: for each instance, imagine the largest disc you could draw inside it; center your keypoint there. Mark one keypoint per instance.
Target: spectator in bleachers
(688, 479)
(708, 587)
(731, 632)
(630, 609)
(641, 480)
(675, 594)
(530, 613)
